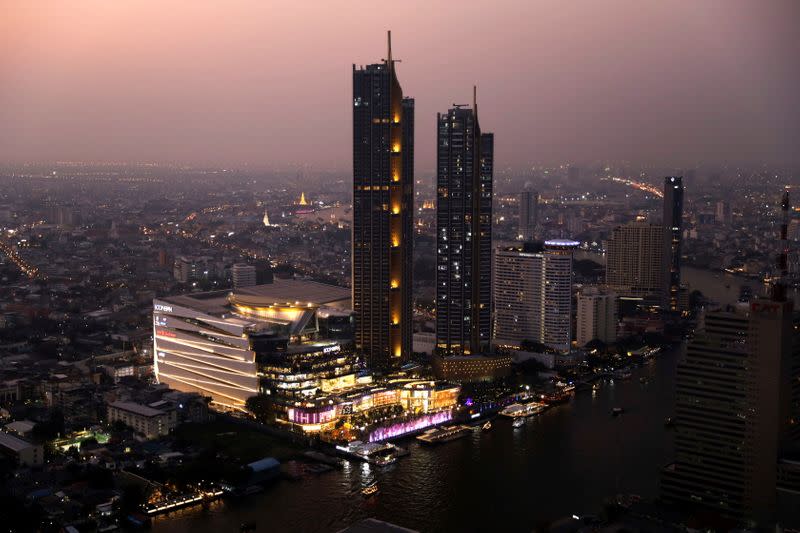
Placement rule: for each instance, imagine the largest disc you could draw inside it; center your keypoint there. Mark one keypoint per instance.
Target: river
(564, 462)
(720, 287)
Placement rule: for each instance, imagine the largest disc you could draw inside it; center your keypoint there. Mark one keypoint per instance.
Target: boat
(565, 387)
(487, 426)
(517, 410)
(518, 422)
(375, 453)
(555, 398)
(616, 411)
(444, 434)
(371, 490)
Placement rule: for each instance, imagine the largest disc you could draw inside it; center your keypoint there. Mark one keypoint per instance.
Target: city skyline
(206, 346)
(721, 91)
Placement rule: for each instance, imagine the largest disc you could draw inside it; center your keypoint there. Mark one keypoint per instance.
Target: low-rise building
(26, 453)
(144, 420)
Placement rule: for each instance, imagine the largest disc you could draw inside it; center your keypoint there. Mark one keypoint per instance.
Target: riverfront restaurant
(414, 398)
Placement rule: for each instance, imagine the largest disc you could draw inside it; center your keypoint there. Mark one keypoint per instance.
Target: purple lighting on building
(401, 428)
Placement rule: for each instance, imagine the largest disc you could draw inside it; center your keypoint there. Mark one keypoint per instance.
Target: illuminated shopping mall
(290, 340)
(211, 342)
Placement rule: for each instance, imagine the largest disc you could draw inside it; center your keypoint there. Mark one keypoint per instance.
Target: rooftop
(20, 427)
(136, 408)
(13, 443)
(281, 291)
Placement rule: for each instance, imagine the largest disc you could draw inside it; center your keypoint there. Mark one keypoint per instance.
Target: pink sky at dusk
(269, 83)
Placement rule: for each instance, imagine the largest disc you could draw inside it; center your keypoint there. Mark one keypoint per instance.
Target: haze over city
(399, 267)
(267, 84)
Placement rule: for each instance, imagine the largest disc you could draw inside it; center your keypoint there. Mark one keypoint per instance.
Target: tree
(533, 346)
(261, 407)
(596, 344)
(696, 299)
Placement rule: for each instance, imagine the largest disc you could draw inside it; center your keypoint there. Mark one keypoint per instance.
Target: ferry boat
(517, 410)
(371, 490)
(556, 397)
(375, 453)
(565, 387)
(444, 434)
(518, 422)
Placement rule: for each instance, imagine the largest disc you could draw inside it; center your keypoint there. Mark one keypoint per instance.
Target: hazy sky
(269, 83)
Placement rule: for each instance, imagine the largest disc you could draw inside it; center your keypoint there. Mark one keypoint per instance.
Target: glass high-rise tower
(465, 158)
(383, 196)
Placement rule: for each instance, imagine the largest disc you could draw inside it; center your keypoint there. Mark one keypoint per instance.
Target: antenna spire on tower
(389, 53)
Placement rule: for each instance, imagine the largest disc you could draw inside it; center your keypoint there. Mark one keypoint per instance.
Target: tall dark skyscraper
(383, 200)
(737, 406)
(528, 214)
(673, 227)
(465, 158)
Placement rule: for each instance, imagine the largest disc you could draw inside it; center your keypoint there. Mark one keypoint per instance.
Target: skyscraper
(736, 411)
(673, 226)
(463, 233)
(383, 194)
(533, 294)
(528, 214)
(633, 264)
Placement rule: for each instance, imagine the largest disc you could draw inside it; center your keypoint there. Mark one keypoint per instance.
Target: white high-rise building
(533, 295)
(597, 316)
(244, 275)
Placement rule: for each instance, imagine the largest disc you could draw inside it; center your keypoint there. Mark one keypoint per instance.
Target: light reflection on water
(563, 462)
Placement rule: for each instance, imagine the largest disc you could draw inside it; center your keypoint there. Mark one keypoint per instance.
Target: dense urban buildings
(533, 295)
(736, 409)
(244, 275)
(673, 234)
(383, 202)
(463, 233)
(634, 264)
(176, 338)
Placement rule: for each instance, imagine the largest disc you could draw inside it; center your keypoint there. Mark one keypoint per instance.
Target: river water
(564, 462)
(720, 287)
